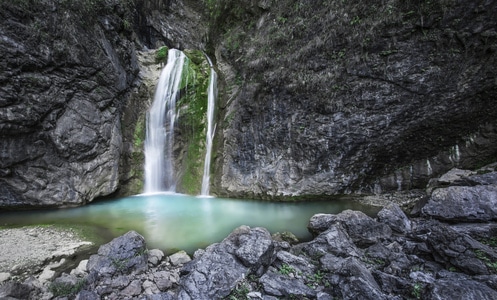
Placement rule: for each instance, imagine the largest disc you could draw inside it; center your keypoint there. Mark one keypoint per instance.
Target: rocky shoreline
(44, 251)
(448, 250)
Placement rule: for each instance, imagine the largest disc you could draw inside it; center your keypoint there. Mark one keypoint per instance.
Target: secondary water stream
(211, 128)
(174, 221)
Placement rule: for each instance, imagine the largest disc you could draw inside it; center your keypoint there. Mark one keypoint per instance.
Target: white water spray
(211, 128)
(159, 169)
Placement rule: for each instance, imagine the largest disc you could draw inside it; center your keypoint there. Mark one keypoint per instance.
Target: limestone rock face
(330, 97)
(73, 98)
(316, 98)
(65, 71)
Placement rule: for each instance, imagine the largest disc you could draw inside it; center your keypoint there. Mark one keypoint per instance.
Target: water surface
(173, 221)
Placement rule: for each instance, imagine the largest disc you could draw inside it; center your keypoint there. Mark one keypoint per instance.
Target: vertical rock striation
(329, 97)
(65, 73)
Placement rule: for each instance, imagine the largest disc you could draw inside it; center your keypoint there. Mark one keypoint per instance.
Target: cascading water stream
(211, 127)
(159, 171)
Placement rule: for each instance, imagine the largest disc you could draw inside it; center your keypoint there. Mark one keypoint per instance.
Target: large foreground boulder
(125, 254)
(476, 203)
(215, 272)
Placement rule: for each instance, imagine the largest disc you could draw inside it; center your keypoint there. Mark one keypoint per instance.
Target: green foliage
(388, 52)
(240, 292)
(161, 55)
(491, 241)
(213, 7)
(315, 279)
(139, 133)
(286, 269)
(481, 255)
(417, 290)
(373, 261)
(59, 289)
(355, 20)
(127, 24)
(281, 20)
(193, 109)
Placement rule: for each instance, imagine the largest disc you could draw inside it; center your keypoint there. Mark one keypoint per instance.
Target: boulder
(480, 179)
(299, 264)
(463, 203)
(155, 256)
(454, 175)
(448, 288)
(320, 223)
(394, 217)
(215, 273)
(123, 255)
(280, 285)
(355, 280)
(452, 248)
(256, 250)
(335, 240)
(179, 258)
(362, 229)
(15, 290)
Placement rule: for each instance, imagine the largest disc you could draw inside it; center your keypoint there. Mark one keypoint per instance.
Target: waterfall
(211, 102)
(159, 169)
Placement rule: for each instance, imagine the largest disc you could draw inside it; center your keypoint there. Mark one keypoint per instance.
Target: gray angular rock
(155, 256)
(456, 249)
(87, 295)
(123, 255)
(350, 267)
(14, 290)
(463, 203)
(4, 276)
(133, 289)
(361, 228)
(454, 175)
(320, 223)
(360, 288)
(164, 280)
(355, 280)
(335, 241)
(161, 296)
(282, 285)
(478, 231)
(179, 258)
(256, 250)
(390, 284)
(461, 289)
(299, 263)
(479, 179)
(215, 272)
(394, 217)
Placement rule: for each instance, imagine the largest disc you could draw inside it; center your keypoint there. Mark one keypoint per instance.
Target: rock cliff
(72, 98)
(66, 68)
(328, 97)
(316, 98)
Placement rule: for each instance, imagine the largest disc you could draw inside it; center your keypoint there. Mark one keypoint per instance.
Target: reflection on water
(175, 221)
